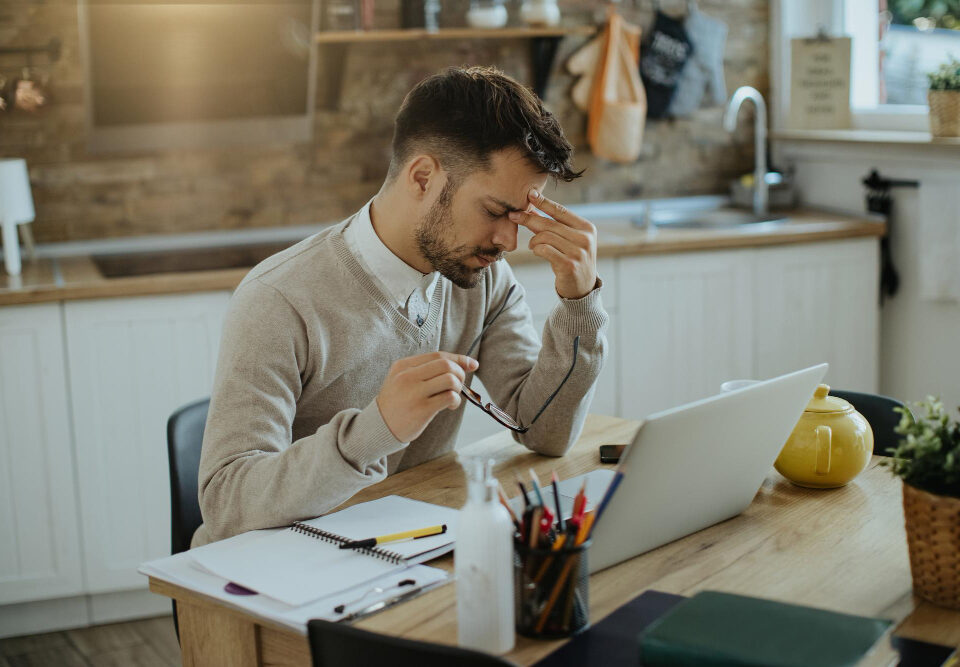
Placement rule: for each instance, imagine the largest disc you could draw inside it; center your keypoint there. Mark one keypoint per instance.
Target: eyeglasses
(498, 414)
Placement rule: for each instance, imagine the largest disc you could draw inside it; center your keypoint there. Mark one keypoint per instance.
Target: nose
(505, 236)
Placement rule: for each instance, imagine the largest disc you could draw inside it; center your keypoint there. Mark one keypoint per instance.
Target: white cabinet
(685, 327)
(132, 363)
(818, 302)
(39, 543)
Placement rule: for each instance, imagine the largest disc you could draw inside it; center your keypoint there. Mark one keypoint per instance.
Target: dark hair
(463, 114)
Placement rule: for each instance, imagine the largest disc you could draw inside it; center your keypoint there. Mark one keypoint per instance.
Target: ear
(422, 173)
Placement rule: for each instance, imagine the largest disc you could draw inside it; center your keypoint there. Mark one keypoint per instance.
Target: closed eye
(494, 215)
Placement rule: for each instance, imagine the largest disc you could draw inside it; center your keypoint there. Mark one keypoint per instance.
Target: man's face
(467, 229)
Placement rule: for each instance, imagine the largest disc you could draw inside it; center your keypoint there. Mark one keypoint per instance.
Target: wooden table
(841, 549)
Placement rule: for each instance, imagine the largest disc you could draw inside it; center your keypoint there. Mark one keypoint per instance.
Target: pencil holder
(551, 591)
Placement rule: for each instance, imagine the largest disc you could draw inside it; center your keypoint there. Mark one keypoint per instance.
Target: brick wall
(79, 195)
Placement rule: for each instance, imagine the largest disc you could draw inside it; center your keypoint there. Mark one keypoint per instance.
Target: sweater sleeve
(252, 473)
(521, 373)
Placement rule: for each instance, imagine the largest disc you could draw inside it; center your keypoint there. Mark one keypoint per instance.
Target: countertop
(79, 277)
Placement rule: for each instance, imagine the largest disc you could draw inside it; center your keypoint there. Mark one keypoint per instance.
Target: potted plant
(928, 461)
(944, 99)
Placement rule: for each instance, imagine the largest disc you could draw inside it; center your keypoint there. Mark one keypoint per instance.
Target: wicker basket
(933, 538)
(944, 112)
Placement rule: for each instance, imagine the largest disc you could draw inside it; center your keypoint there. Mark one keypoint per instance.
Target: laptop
(692, 466)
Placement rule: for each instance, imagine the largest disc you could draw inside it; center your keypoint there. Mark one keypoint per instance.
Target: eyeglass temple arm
(576, 350)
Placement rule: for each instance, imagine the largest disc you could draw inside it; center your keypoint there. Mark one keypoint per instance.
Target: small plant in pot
(944, 99)
(928, 461)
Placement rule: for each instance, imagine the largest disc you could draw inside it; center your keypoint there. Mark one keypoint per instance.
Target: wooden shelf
(411, 34)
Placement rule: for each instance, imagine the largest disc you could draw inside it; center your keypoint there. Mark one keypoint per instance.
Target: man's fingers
(441, 384)
(448, 400)
(538, 223)
(463, 361)
(548, 252)
(557, 211)
(435, 368)
(563, 245)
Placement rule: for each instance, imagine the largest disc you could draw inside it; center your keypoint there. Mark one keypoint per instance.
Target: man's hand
(568, 242)
(417, 388)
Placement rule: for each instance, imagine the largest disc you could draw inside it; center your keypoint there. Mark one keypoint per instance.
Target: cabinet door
(39, 543)
(815, 303)
(132, 363)
(685, 327)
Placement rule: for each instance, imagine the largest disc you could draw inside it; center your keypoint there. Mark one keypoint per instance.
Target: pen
(555, 592)
(393, 537)
(609, 494)
(556, 499)
(523, 491)
(547, 561)
(535, 515)
(383, 604)
(583, 532)
(580, 501)
(547, 517)
(503, 501)
(536, 487)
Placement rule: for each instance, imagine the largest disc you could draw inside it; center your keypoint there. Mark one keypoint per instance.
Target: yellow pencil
(393, 537)
(585, 527)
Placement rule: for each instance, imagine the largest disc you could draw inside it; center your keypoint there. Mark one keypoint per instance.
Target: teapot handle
(824, 447)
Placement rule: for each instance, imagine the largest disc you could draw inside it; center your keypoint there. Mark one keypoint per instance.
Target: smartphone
(611, 453)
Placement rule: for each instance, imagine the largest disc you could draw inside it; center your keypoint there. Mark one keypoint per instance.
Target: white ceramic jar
(540, 12)
(487, 14)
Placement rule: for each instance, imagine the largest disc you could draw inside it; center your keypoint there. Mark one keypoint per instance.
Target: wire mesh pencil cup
(551, 590)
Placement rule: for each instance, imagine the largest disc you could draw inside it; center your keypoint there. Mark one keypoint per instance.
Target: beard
(446, 258)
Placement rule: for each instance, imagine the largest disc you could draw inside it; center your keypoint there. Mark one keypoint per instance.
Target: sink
(176, 261)
(680, 218)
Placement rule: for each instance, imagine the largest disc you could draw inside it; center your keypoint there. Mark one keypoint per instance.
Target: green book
(714, 628)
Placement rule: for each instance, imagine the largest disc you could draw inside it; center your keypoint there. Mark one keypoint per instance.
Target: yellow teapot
(830, 445)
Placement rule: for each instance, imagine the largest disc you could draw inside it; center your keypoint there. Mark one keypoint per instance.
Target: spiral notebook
(304, 562)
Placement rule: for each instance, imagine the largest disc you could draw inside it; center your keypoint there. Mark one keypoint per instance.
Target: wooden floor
(147, 643)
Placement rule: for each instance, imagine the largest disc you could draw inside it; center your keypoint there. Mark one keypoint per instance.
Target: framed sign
(820, 83)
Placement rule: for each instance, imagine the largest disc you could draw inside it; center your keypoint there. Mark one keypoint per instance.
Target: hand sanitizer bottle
(483, 560)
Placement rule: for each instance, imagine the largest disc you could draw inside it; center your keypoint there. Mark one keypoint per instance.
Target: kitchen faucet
(742, 94)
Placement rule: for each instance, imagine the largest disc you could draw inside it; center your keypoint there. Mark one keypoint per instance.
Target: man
(343, 357)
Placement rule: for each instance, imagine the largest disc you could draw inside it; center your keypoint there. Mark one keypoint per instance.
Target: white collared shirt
(409, 290)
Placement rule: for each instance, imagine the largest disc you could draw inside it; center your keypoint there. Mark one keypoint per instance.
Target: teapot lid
(823, 402)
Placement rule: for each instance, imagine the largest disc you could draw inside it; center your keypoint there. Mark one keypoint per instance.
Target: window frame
(802, 18)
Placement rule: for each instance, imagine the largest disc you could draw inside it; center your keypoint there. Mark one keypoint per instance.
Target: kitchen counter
(81, 277)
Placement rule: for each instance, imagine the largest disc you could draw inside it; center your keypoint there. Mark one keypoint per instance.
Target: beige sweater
(294, 429)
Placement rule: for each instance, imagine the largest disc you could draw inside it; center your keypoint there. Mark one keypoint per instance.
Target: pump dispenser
(483, 561)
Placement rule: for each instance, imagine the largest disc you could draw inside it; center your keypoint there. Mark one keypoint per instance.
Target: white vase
(490, 16)
(540, 12)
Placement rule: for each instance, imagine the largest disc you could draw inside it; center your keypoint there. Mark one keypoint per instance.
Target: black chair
(340, 645)
(184, 439)
(878, 411)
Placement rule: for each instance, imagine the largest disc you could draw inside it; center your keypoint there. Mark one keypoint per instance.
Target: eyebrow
(505, 205)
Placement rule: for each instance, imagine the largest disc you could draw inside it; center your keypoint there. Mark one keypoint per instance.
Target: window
(916, 37)
(895, 44)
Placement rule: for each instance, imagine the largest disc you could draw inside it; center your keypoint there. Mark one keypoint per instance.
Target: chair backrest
(340, 645)
(878, 411)
(184, 439)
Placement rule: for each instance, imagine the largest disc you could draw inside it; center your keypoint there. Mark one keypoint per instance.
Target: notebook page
(393, 514)
(182, 570)
(292, 567)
